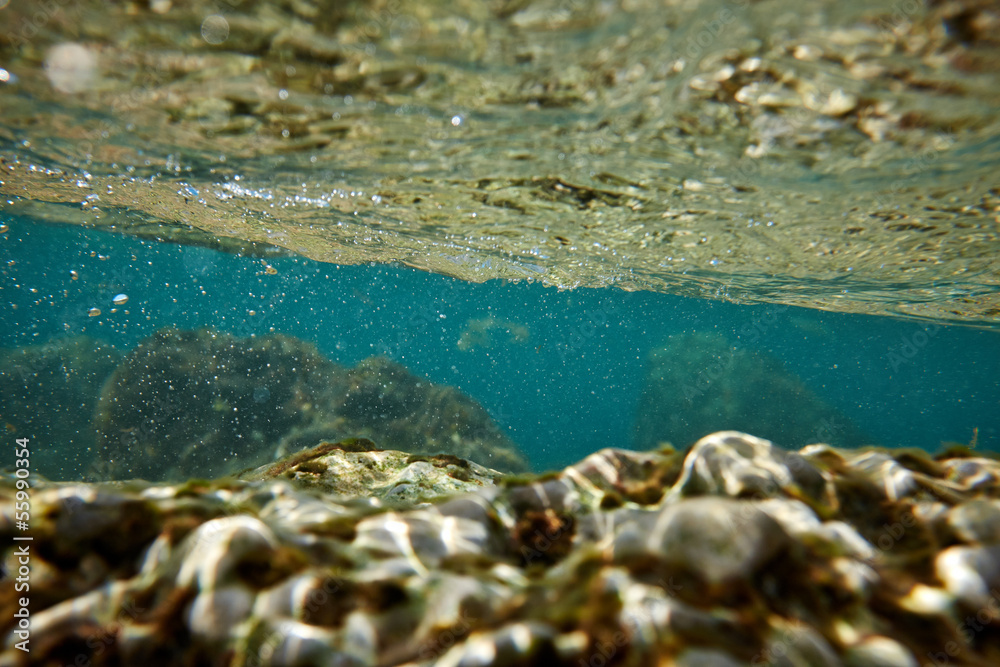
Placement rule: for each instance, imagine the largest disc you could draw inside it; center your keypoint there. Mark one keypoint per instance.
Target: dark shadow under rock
(700, 383)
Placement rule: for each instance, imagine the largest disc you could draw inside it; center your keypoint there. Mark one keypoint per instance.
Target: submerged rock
(699, 383)
(203, 403)
(188, 403)
(48, 393)
(399, 410)
(621, 559)
(356, 468)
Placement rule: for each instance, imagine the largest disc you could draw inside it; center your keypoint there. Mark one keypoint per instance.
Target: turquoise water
(560, 371)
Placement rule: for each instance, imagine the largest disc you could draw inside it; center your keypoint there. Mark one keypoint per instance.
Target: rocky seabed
(735, 552)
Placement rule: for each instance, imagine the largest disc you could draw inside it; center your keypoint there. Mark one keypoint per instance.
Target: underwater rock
(356, 468)
(971, 575)
(699, 383)
(48, 392)
(204, 403)
(186, 403)
(400, 410)
(878, 651)
(741, 466)
(584, 566)
(976, 522)
(717, 542)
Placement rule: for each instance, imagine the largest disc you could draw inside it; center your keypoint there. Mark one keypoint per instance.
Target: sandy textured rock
(719, 541)
(357, 468)
(976, 522)
(617, 559)
(878, 651)
(733, 464)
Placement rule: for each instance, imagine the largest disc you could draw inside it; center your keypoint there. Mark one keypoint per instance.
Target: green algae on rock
(50, 392)
(207, 403)
(356, 468)
(752, 555)
(399, 410)
(188, 403)
(698, 383)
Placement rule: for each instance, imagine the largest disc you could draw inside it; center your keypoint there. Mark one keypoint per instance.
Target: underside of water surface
(839, 156)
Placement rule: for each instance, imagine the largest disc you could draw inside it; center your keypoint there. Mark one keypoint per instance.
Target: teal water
(560, 371)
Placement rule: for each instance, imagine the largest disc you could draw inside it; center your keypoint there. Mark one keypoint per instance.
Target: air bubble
(215, 29)
(70, 67)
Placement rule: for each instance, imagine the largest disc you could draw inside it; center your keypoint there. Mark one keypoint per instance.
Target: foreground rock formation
(736, 552)
(357, 469)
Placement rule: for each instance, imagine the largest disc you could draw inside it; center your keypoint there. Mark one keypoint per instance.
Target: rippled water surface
(837, 156)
